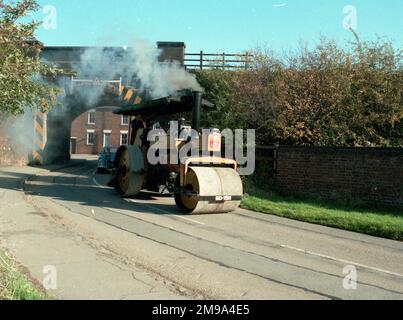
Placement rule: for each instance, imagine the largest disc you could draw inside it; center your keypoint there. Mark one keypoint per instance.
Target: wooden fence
(223, 61)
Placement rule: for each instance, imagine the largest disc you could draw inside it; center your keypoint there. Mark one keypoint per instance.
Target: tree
(21, 72)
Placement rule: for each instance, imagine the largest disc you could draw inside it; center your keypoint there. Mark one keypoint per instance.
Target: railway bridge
(95, 84)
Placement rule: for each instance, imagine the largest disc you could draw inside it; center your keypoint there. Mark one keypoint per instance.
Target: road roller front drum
(210, 190)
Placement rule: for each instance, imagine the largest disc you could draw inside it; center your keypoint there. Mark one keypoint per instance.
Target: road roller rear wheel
(130, 172)
(123, 172)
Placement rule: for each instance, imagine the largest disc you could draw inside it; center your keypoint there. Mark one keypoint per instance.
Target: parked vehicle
(106, 159)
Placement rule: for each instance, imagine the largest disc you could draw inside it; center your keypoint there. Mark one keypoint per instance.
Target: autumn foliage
(325, 96)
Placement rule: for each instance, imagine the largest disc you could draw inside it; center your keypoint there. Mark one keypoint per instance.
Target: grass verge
(385, 223)
(14, 283)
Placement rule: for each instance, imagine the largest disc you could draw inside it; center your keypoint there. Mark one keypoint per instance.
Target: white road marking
(164, 211)
(98, 184)
(151, 207)
(191, 220)
(342, 260)
(170, 213)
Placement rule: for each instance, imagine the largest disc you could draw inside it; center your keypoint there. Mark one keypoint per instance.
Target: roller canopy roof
(181, 102)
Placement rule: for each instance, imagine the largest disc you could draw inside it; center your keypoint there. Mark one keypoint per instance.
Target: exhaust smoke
(139, 65)
(18, 138)
(160, 79)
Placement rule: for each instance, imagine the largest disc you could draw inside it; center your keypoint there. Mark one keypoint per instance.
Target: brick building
(98, 128)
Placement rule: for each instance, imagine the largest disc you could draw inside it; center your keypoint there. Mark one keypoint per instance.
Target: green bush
(322, 96)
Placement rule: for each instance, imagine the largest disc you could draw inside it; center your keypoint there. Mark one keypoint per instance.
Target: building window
(125, 120)
(124, 138)
(90, 138)
(91, 117)
(107, 138)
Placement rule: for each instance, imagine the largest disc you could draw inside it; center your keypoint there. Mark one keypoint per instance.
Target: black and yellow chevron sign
(39, 138)
(130, 96)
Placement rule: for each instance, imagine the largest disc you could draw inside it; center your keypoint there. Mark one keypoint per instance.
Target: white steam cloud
(20, 131)
(140, 64)
(161, 79)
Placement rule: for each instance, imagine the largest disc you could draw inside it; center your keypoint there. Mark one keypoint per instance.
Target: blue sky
(218, 25)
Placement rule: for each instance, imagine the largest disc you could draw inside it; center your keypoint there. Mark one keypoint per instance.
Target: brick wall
(105, 120)
(373, 174)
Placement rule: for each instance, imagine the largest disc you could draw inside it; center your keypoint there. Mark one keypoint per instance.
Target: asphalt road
(242, 255)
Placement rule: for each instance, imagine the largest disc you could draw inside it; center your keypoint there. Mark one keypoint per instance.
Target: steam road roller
(189, 163)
